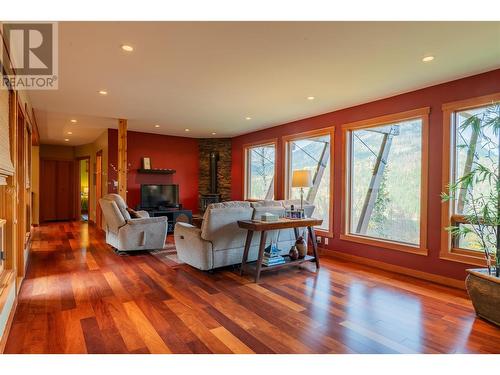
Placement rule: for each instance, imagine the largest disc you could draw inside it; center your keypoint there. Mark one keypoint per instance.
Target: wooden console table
(262, 226)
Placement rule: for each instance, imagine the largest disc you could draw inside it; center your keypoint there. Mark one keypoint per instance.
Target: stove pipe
(214, 158)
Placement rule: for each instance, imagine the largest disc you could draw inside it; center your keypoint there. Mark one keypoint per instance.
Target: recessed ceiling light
(311, 98)
(186, 130)
(127, 48)
(103, 92)
(70, 133)
(66, 140)
(248, 118)
(73, 121)
(214, 133)
(157, 126)
(428, 58)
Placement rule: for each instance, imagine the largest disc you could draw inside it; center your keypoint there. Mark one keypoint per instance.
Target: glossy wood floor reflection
(79, 297)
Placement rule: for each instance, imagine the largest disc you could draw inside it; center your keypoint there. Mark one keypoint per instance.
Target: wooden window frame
(286, 169)
(447, 251)
(246, 148)
(419, 113)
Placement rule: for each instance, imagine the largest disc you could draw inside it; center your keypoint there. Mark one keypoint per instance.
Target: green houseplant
(476, 195)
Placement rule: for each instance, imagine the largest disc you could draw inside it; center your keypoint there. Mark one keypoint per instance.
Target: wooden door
(64, 190)
(98, 188)
(48, 181)
(56, 190)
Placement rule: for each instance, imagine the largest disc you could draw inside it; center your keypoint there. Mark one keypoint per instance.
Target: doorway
(83, 184)
(98, 188)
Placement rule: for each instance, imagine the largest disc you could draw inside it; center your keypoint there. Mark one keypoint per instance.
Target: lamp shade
(301, 178)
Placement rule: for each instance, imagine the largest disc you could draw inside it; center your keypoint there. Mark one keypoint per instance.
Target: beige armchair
(127, 234)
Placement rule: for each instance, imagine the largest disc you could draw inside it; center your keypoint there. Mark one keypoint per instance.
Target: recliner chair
(127, 234)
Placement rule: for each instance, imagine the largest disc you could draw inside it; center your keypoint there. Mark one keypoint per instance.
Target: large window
(260, 165)
(471, 145)
(312, 152)
(386, 166)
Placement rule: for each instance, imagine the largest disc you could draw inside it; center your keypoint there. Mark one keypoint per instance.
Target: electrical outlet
(326, 240)
(318, 239)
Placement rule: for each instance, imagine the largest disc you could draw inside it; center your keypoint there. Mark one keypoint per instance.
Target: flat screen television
(154, 196)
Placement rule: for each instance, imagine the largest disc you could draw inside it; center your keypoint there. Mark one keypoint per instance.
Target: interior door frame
(98, 188)
(20, 175)
(78, 191)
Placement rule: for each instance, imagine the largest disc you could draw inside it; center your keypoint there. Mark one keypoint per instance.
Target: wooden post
(122, 158)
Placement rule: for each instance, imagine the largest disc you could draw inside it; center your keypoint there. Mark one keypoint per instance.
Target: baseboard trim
(442, 280)
(8, 326)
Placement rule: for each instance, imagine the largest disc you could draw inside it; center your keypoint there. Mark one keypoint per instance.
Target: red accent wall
(179, 153)
(434, 97)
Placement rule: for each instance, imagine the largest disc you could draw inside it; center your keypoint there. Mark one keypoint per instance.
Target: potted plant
(477, 193)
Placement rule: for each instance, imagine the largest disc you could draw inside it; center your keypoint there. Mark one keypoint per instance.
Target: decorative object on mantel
(293, 253)
(479, 215)
(301, 246)
(146, 163)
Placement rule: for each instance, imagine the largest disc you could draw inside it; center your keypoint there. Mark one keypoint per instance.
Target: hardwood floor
(80, 297)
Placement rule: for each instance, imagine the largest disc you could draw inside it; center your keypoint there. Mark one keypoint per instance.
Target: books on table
(273, 261)
(272, 256)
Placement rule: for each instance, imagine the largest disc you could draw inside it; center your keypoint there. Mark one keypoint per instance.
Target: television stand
(173, 215)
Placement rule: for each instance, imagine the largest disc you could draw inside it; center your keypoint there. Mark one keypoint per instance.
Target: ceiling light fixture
(127, 48)
(157, 126)
(66, 140)
(186, 130)
(103, 92)
(428, 58)
(73, 121)
(248, 118)
(214, 133)
(70, 133)
(311, 98)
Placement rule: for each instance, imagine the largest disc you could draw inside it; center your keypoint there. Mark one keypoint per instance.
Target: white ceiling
(209, 76)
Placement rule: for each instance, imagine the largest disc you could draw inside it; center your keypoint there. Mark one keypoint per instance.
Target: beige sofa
(127, 234)
(220, 242)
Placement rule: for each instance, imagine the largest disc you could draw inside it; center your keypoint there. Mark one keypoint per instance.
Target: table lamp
(301, 179)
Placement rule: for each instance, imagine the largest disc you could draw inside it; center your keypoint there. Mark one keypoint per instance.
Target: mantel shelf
(156, 171)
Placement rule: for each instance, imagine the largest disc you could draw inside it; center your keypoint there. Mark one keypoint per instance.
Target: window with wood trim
(260, 171)
(471, 144)
(386, 181)
(312, 151)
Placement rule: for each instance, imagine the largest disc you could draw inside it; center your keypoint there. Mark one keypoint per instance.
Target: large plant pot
(484, 291)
